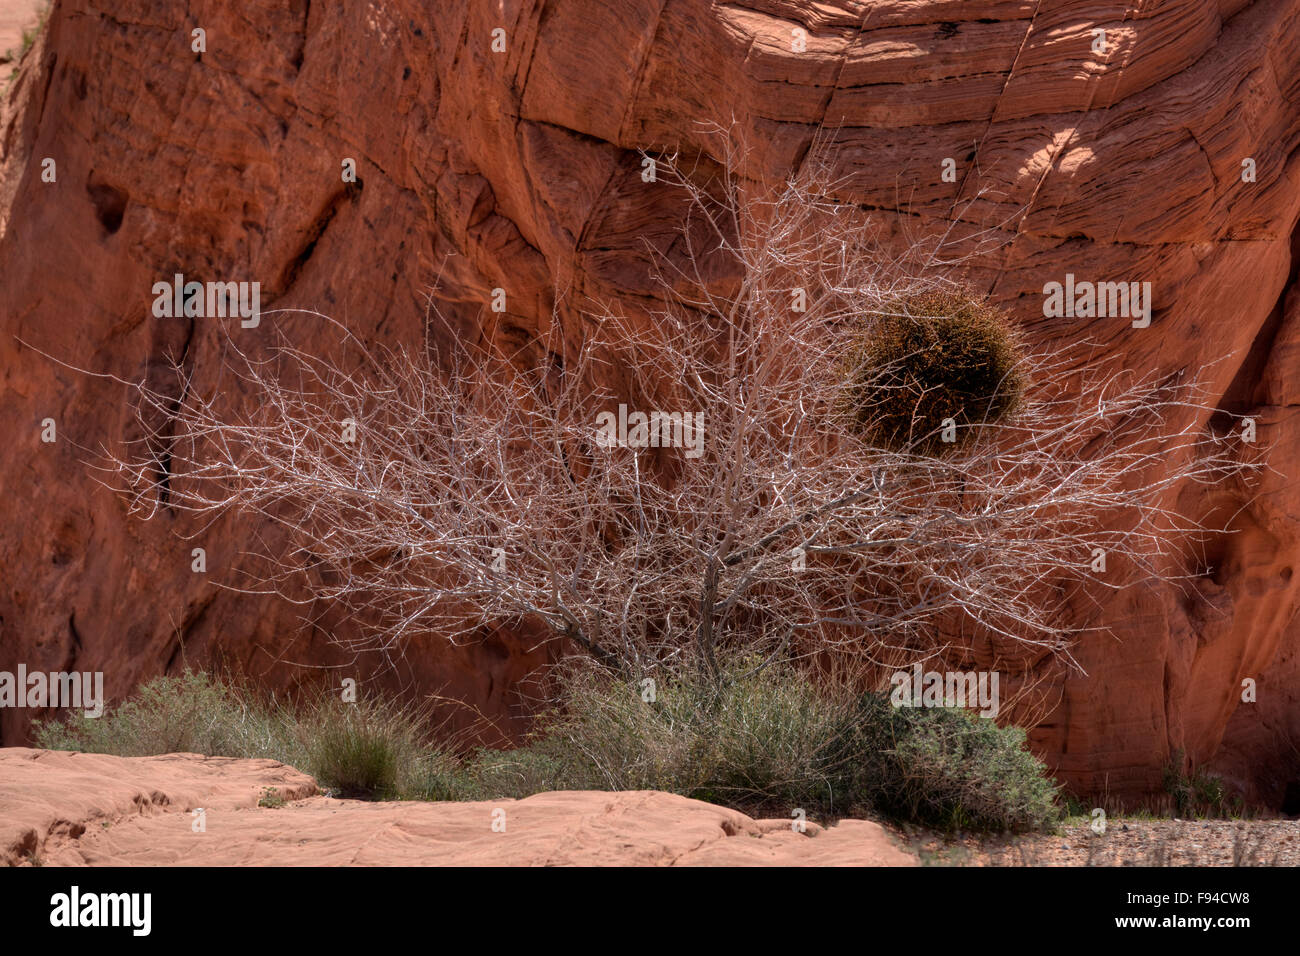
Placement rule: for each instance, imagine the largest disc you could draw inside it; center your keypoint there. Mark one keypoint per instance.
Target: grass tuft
(368, 749)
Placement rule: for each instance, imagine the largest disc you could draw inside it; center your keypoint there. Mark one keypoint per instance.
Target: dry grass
(934, 358)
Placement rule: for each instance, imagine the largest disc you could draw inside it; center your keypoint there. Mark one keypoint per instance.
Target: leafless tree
(459, 485)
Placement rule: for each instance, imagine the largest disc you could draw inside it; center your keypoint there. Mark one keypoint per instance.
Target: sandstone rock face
(1120, 156)
(68, 809)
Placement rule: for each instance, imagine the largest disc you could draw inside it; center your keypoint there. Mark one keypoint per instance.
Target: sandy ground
(1127, 842)
(68, 809)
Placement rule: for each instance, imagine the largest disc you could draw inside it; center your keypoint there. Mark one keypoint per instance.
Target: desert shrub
(948, 768)
(756, 739)
(771, 741)
(193, 713)
(931, 356)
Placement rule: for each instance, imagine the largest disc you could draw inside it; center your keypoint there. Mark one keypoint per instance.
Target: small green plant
(1195, 793)
(271, 799)
(930, 358)
(1074, 809)
(365, 750)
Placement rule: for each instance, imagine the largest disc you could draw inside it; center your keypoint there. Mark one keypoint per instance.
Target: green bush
(756, 741)
(192, 713)
(763, 740)
(770, 742)
(946, 767)
(931, 356)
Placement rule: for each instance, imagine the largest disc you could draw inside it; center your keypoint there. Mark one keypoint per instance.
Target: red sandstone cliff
(522, 168)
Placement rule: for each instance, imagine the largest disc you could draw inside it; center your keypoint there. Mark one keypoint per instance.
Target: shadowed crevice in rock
(1247, 389)
(292, 269)
(110, 204)
(301, 9)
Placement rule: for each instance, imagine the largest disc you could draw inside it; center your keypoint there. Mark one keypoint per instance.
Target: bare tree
(754, 506)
